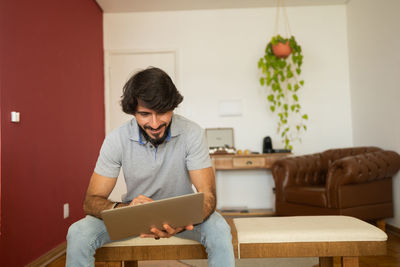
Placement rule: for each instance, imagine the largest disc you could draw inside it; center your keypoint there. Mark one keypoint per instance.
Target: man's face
(153, 123)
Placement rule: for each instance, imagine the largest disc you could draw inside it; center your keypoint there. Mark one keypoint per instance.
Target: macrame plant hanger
(280, 7)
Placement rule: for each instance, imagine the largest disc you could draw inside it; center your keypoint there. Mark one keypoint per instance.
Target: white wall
(374, 41)
(218, 51)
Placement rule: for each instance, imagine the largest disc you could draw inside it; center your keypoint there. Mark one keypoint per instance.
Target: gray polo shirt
(156, 172)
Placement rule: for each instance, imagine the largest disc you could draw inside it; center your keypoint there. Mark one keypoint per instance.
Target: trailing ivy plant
(280, 75)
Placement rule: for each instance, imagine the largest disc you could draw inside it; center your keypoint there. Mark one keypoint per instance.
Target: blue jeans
(89, 234)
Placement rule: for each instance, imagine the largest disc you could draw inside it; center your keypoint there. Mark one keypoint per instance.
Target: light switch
(14, 116)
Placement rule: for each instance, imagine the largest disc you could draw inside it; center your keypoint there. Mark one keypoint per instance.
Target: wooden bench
(333, 239)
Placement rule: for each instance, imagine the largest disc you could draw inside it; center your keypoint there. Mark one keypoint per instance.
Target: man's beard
(158, 140)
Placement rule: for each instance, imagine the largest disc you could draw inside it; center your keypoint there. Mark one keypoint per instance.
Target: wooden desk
(245, 162)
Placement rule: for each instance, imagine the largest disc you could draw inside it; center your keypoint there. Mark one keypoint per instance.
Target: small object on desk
(222, 150)
(235, 209)
(282, 151)
(267, 145)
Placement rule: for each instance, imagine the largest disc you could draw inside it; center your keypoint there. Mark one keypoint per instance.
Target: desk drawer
(248, 162)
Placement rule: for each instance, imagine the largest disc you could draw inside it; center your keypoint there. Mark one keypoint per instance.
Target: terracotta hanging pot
(282, 50)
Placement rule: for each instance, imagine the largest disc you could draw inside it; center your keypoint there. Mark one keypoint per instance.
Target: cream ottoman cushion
(305, 229)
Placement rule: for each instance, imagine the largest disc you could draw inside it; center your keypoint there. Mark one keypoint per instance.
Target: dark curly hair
(154, 88)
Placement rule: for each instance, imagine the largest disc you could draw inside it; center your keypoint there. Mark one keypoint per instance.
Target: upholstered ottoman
(141, 249)
(309, 236)
(341, 238)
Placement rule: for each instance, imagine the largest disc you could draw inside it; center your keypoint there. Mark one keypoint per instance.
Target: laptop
(134, 220)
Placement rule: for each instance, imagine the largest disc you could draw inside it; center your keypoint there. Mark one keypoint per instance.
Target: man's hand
(141, 199)
(167, 232)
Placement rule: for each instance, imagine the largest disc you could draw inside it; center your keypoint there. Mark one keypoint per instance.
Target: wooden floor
(392, 259)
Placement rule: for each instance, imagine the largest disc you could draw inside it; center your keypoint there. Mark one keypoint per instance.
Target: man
(162, 155)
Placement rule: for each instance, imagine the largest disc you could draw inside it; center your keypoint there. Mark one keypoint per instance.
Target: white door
(120, 66)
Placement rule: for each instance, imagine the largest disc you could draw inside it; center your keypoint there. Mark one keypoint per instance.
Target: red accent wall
(51, 71)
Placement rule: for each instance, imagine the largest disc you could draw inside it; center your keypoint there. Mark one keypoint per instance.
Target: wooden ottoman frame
(335, 253)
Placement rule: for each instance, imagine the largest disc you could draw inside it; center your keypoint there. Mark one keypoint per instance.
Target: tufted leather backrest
(311, 170)
(331, 155)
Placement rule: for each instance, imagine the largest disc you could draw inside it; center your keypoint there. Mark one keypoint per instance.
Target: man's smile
(155, 131)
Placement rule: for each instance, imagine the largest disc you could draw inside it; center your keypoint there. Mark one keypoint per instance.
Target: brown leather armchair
(350, 181)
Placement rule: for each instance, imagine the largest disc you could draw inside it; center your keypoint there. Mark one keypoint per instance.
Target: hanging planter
(281, 50)
(281, 68)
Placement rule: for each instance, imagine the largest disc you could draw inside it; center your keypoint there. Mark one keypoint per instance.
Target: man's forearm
(210, 201)
(94, 205)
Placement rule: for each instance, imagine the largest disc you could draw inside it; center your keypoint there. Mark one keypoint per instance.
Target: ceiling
(117, 6)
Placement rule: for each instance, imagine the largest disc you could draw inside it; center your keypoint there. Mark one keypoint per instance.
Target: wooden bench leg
(381, 224)
(108, 264)
(117, 264)
(337, 261)
(131, 264)
(325, 261)
(350, 262)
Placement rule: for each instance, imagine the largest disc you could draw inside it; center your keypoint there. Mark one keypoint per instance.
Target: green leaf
(305, 128)
(262, 81)
(285, 106)
(296, 87)
(260, 63)
(295, 97)
(289, 86)
(305, 116)
(272, 108)
(301, 82)
(292, 107)
(298, 127)
(298, 71)
(271, 98)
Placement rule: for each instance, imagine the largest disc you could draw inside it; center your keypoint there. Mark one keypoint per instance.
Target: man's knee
(218, 223)
(217, 231)
(77, 235)
(88, 231)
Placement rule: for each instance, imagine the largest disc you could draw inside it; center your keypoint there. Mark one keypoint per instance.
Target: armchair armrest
(361, 168)
(298, 171)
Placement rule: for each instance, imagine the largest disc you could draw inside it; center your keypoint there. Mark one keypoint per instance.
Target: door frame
(107, 86)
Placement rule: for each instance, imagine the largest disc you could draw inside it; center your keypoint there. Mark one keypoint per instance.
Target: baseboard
(49, 256)
(393, 229)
